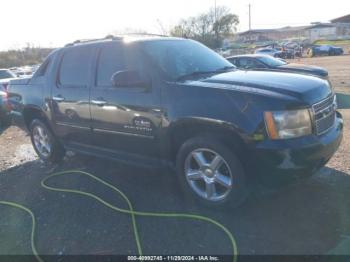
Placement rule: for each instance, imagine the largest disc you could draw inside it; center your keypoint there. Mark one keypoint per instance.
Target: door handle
(99, 102)
(58, 98)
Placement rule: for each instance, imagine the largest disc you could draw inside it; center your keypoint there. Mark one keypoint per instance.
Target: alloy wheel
(42, 141)
(208, 174)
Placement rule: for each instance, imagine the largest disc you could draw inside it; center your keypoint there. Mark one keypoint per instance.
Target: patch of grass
(332, 42)
(343, 101)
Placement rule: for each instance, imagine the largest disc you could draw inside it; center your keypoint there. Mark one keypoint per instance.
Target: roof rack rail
(82, 41)
(142, 34)
(111, 37)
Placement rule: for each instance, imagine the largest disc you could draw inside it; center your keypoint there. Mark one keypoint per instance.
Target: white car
(5, 77)
(269, 51)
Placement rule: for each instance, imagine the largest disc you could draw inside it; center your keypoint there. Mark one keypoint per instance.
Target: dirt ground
(338, 68)
(311, 217)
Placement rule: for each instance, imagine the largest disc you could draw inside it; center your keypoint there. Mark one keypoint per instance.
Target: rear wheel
(44, 142)
(211, 173)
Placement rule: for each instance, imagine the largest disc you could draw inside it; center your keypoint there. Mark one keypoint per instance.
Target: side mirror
(129, 78)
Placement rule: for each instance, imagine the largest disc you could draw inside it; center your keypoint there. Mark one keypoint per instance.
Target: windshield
(6, 74)
(179, 58)
(271, 61)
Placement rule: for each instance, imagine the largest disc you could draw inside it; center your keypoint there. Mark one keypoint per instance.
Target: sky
(53, 23)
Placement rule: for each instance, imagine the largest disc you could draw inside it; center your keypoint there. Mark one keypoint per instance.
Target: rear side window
(74, 68)
(110, 61)
(43, 68)
(232, 60)
(243, 62)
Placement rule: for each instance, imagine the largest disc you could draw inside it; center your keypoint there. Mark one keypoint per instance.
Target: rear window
(74, 68)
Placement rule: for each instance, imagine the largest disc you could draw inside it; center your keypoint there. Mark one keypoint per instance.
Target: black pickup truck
(157, 100)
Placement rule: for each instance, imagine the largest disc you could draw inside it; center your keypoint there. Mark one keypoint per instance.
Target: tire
(227, 174)
(5, 121)
(45, 143)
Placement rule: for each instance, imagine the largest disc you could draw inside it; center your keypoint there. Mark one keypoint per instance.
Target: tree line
(209, 28)
(26, 56)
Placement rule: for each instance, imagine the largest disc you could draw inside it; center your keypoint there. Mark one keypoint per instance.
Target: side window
(135, 60)
(111, 60)
(233, 61)
(243, 62)
(74, 69)
(43, 68)
(254, 63)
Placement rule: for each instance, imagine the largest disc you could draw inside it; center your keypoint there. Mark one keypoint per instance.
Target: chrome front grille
(324, 114)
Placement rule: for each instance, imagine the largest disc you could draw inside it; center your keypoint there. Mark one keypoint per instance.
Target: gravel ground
(312, 217)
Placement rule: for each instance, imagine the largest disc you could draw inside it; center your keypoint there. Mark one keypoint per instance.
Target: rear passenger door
(124, 119)
(70, 95)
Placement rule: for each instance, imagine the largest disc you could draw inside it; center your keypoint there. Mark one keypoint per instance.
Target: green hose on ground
(129, 211)
(32, 242)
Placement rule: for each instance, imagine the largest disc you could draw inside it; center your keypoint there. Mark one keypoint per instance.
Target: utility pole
(215, 25)
(250, 19)
(215, 10)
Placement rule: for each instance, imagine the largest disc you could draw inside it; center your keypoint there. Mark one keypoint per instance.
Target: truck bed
(23, 92)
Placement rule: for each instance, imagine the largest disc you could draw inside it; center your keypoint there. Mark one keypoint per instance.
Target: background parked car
(286, 53)
(317, 50)
(268, 63)
(4, 110)
(5, 77)
(269, 51)
(24, 71)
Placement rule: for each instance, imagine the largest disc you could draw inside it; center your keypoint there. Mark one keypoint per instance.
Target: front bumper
(299, 157)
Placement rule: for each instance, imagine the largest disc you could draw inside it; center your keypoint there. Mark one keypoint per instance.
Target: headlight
(288, 124)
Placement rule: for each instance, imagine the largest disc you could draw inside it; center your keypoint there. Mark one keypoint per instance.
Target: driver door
(124, 118)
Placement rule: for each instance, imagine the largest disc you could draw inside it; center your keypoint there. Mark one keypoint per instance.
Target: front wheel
(211, 173)
(44, 142)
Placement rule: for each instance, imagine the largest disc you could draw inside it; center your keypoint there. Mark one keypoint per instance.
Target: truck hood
(302, 87)
(305, 68)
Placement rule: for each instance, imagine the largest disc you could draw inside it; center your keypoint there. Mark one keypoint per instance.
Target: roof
(246, 55)
(257, 31)
(292, 28)
(342, 19)
(282, 29)
(321, 25)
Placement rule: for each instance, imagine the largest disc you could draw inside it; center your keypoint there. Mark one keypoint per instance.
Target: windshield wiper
(195, 73)
(198, 73)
